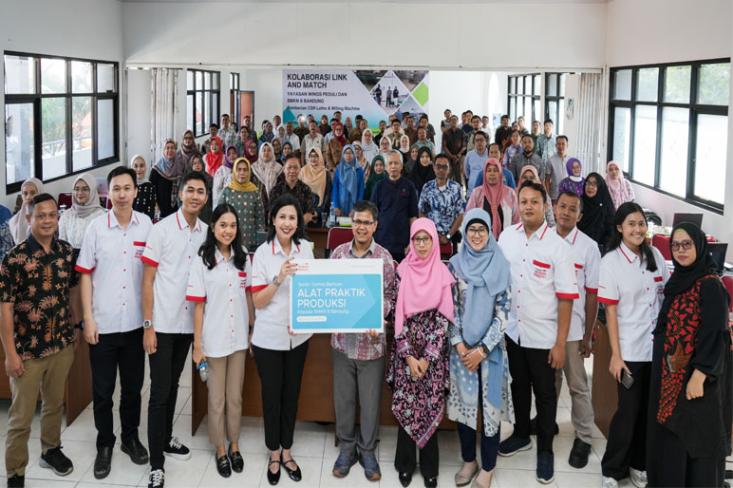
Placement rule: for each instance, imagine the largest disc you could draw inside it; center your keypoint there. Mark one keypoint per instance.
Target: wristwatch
(276, 282)
(147, 324)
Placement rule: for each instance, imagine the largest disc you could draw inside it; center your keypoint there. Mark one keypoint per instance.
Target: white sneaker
(638, 478)
(609, 482)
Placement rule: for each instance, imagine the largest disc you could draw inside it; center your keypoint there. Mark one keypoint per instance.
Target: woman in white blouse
(85, 207)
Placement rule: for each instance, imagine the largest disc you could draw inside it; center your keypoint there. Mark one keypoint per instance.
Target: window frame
(557, 116)
(208, 95)
(528, 94)
(234, 89)
(692, 105)
(36, 99)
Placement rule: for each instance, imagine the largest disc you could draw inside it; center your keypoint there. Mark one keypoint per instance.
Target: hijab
(346, 172)
(486, 273)
(370, 148)
(170, 169)
(342, 138)
(617, 187)
(375, 177)
(569, 166)
(213, 159)
(267, 171)
(185, 153)
(422, 174)
(18, 223)
(247, 186)
(228, 162)
(495, 194)
(529, 167)
(144, 179)
(92, 206)
(250, 150)
(404, 144)
(363, 162)
(598, 212)
(315, 178)
(684, 277)
(425, 284)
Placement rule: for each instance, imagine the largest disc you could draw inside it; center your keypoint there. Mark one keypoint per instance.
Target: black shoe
(405, 479)
(236, 459)
(157, 479)
(545, 467)
(16, 481)
(431, 482)
(514, 444)
(273, 478)
(55, 460)
(176, 450)
(137, 452)
(579, 454)
(103, 463)
(293, 474)
(223, 466)
(533, 427)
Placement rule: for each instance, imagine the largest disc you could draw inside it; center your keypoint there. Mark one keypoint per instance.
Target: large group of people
(497, 256)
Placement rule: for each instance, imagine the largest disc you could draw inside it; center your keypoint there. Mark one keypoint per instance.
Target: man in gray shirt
(555, 166)
(527, 156)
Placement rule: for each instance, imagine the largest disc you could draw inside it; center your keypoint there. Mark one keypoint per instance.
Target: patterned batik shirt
(442, 206)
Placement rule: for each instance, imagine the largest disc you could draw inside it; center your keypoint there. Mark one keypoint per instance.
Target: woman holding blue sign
(418, 372)
(479, 366)
(279, 354)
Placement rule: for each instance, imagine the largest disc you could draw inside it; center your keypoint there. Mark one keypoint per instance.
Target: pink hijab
(495, 195)
(425, 283)
(618, 188)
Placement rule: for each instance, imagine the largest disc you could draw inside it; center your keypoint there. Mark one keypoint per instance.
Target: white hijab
(19, 223)
(267, 171)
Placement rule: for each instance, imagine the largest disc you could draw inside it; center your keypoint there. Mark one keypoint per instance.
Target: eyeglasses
(685, 245)
(422, 240)
(477, 231)
(359, 223)
(591, 183)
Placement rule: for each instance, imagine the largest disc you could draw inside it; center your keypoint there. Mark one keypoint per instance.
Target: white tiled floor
(313, 449)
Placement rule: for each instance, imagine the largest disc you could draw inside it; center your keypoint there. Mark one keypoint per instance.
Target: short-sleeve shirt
(171, 248)
(397, 204)
(442, 205)
(272, 322)
(111, 255)
(542, 273)
(586, 262)
(37, 284)
(638, 294)
(224, 291)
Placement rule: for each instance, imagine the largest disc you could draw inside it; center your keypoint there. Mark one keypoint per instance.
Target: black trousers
(280, 374)
(626, 446)
(531, 372)
(670, 466)
(166, 366)
(123, 351)
(405, 459)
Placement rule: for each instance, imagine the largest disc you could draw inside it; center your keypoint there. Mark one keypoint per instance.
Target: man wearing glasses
(442, 202)
(358, 359)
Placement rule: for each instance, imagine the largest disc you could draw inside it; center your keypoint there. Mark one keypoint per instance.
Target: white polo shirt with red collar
(111, 255)
(587, 263)
(224, 291)
(542, 273)
(638, 295)
(171, 248)
(272, 323)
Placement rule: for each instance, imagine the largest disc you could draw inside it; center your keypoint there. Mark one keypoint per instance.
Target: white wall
(660, 31)
(472, 36)
(77, 28)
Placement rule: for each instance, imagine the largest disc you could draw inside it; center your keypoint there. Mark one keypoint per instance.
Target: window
(668, 127)
(524, 98)
(555, 100)
(202, 100)
(61, 116)
(234, 107)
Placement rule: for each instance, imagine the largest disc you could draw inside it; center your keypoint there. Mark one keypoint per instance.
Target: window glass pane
(520, 85)
(714, 84)
(645, 143)
(81, 77)
(513, 82)
(562, 84)
(647, 84)
(215, 81)
(189, 112)
(622, 84)
(537, 110)
(512, 108)
(621, 136)
(527, 113)
(20, 75)
(552, 85)
(712, 142)
(677, 84)
(520, 107)
(19, 141)
(215, 108)
(53, 76)
(53, 134)
(673, 160)
(105, 129)
(207, 81)
(536, 86)
(105, 77)
(552, 113)
(560, 120)
(189, 80)
(206, 111)
(199, 116)
(199, 80)
(81, 132)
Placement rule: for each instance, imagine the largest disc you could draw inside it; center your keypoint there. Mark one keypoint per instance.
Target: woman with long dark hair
(219, 285)
(631, 283)
(686, 436)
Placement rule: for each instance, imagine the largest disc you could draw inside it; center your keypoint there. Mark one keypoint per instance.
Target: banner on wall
(375, 94)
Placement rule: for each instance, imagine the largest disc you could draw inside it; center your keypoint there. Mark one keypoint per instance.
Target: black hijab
(422, 174)
(598, 212)
(684, 277)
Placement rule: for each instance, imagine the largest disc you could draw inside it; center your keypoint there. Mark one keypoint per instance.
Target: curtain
(590, 112)
(164, 109)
